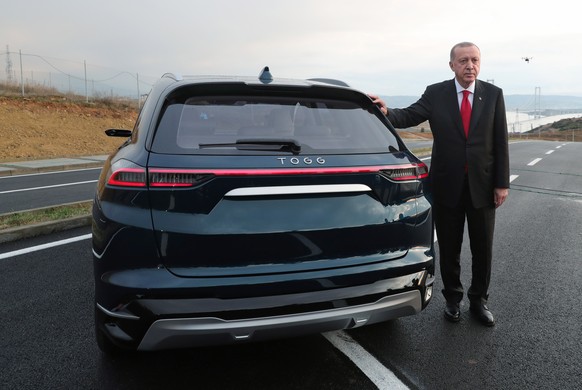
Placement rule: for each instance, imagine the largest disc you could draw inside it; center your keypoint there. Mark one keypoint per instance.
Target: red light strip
(259, 172)
(287, 171)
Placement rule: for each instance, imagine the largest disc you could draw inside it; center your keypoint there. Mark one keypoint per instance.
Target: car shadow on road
(297, 363)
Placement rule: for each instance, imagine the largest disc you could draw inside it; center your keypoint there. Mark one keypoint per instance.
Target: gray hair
(461, 44)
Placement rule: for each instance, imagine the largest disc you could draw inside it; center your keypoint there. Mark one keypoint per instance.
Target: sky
(388, 47)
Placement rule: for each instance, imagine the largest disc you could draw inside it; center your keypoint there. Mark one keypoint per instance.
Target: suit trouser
(450, 226)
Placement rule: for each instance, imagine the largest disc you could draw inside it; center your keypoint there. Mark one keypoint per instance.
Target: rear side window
(212, 124)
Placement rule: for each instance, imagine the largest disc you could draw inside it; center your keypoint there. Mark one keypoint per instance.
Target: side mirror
(118, 133)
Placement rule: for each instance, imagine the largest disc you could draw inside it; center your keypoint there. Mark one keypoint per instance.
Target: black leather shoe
(452, 312)
(481, 312)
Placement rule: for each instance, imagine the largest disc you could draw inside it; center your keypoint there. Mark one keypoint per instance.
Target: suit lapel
(479, 99)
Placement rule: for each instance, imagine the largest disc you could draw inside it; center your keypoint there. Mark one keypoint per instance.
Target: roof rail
(173, 76)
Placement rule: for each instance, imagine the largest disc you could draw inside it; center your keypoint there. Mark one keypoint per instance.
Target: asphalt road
(30, 191)
(46, 326)
(534, 293)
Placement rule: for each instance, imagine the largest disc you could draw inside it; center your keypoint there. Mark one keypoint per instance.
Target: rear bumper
(192, 332)
(169, 319)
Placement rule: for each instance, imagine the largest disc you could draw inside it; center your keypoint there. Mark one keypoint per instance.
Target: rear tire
(105, 344)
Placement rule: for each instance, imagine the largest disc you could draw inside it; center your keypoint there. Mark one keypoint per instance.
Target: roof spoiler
(330, 81)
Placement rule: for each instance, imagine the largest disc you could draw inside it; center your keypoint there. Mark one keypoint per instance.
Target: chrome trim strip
(298, 190)
(99, 256)
(116, 315)
(188, 332)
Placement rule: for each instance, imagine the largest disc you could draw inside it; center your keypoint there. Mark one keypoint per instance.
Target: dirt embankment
(53, 127)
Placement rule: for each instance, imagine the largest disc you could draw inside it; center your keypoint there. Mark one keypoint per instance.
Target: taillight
(128, 177)
(124, 173)
(406, 172)
(176, 178)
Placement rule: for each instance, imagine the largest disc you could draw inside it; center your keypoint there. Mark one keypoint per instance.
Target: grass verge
(45, 214)
(422, 152)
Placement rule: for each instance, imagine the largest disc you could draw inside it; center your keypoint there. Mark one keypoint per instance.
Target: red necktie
(466, 112)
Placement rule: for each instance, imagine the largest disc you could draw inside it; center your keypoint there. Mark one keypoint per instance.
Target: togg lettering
(305, 160)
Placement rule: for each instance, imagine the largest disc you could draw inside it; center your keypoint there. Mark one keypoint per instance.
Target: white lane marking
(549, 152)
(44, 246)
(534, 162)
(48, 173)
(381, 376)
(47, 187)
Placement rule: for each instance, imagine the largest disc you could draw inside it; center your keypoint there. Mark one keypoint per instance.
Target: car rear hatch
(241, 221)
(236, 191)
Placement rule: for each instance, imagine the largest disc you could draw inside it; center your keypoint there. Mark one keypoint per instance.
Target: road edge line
(44, 228)
(44, 246)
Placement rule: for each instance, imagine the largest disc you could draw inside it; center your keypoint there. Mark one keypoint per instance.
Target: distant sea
(522, 113)
(519, 122)
(522, 103)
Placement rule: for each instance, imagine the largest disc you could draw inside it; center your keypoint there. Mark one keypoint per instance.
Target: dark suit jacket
(485, 151)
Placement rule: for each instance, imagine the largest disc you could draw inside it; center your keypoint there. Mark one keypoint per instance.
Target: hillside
(570, 129)
(50, 127)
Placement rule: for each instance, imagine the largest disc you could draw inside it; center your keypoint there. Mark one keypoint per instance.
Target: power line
(70, 81)
(70, 75)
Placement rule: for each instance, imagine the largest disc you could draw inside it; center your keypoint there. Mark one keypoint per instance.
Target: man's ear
(451, 66)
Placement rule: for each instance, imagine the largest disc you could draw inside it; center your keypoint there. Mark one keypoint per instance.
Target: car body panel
(212, 224)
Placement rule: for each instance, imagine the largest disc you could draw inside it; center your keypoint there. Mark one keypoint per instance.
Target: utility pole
(21, 72)
(9, 71)
(138, 96)
(86, 91)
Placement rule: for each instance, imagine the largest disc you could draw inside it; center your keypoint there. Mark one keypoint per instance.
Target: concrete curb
(54, 165)
(18, 233)
(9, 171)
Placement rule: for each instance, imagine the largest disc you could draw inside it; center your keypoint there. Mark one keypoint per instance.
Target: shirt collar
(461, 89)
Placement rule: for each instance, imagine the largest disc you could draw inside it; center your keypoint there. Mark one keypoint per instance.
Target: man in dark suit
(469, 172)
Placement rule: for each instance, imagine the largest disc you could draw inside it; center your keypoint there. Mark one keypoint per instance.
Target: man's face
(466, 64)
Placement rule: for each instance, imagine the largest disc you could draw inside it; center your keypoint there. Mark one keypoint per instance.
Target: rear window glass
(214, 124)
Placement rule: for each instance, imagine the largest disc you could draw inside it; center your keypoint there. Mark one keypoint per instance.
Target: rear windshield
(214, 125)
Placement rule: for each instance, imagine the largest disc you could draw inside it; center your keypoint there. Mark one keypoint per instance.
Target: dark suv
(244, 209)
